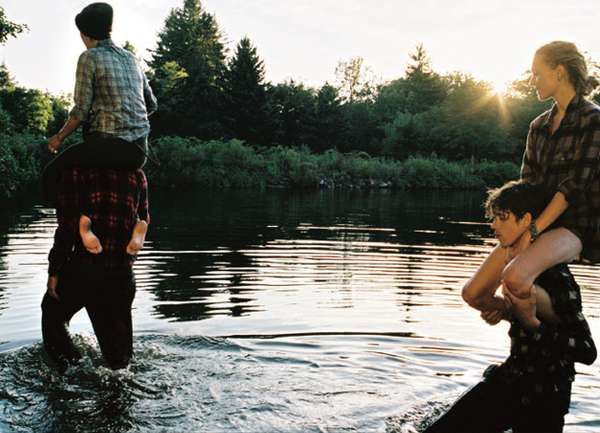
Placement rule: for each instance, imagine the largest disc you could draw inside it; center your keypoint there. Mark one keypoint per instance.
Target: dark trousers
(96, 151)
(107, 297)
(492, 406)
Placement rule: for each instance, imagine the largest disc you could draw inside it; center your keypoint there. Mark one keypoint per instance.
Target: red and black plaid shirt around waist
(114, 200)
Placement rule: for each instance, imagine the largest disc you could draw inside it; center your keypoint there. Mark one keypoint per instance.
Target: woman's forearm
(555, 208)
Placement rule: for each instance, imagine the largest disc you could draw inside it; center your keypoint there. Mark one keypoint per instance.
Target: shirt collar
(108, 42)
(571, 113)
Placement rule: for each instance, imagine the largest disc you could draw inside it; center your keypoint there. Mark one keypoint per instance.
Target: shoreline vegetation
(220, 124)
(232, 164)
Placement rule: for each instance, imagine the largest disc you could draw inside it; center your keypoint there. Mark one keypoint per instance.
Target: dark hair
(566, 54)
(518, 197)
(95, 21)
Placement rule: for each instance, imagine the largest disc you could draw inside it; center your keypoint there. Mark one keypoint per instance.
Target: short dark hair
(95, 21)
(518, 197)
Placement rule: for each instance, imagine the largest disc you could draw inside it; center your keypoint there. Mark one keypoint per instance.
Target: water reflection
(232, 246)
(325, 311)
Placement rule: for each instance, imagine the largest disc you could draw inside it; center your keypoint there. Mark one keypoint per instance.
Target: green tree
(6, 84)
(8, 28)
(6, 80)
(130, 47)
(29, 109)
(60, 113)
(523, 106)
(246, 98)
(293, 118)
(354, 81)
(330, 125)
(420, 89)
(191, 38)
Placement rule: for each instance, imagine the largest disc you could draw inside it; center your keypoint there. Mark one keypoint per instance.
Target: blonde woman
(562, 153)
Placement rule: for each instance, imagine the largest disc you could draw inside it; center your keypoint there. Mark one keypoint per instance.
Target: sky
(305, 39)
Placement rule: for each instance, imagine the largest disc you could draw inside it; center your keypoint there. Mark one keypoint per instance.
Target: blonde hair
(566, 54)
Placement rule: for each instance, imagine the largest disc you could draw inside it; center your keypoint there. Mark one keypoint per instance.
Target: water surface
(273, 311)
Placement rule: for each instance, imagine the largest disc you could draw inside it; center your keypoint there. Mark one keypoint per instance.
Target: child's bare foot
(137, 238)
(89, 239)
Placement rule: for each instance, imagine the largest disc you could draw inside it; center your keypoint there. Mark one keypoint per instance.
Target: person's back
(113, 77)
(113, 199)
(103, 283)
(542, 361)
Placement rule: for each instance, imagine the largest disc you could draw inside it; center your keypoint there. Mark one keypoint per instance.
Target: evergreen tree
(424, 88)
(191, 38)
(292, 107)
(329, 118)
(246, 94)
(6, 80)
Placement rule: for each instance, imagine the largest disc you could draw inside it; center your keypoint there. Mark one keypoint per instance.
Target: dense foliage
(221, 124)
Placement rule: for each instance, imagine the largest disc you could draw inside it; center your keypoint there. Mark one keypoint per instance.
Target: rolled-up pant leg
(56, 315)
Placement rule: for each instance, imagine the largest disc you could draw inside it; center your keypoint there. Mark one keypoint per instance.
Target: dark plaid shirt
(569, 161)
(542, 361)
(114, 200)
(112, 94)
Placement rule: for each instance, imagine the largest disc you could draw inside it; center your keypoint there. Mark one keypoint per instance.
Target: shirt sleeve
(529, 164)
(583, 169)
(149, 98)
(67, 214)
(83, 94)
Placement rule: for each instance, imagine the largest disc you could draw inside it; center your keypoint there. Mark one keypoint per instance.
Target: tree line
(207, 93)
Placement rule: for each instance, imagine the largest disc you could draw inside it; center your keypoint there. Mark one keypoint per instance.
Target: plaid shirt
(114, 200)
(112, 94)
(542, 361)
(569, 161)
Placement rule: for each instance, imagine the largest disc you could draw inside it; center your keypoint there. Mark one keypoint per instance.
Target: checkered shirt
(114, 200)
(542, 361)
(569, 161)
(112, 95)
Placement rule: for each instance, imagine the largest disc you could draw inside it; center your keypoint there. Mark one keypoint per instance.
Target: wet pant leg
(56, 315)
(109, 309)
(481, 409)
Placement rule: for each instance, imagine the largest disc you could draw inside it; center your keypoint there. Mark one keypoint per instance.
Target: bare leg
(551, 248)
(479, 291)
(89, 239)
(137, 238)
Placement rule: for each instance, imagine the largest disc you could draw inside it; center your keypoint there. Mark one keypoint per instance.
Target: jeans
(492, 406)
(107, 295)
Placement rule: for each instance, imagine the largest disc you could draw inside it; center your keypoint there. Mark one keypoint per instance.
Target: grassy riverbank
(231, 164)
(188, 162)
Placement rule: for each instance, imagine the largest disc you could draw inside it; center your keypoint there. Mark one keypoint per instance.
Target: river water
(272, 312)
